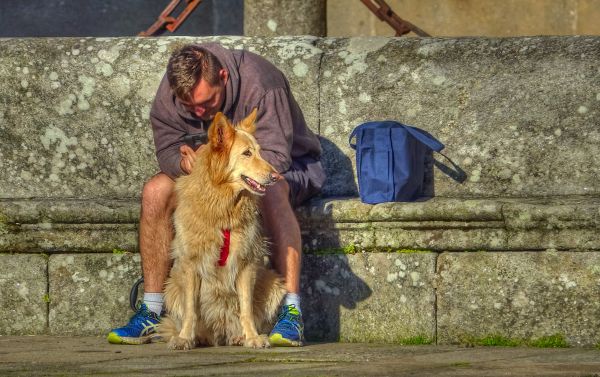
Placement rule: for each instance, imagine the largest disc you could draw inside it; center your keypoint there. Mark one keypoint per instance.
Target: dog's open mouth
(255, 186)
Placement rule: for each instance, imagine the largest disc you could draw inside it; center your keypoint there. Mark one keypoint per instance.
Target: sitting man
(202, 80)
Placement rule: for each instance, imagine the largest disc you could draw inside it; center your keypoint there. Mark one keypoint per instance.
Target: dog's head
(234, 156)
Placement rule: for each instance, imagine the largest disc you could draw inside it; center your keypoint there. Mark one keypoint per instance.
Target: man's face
(207, 100)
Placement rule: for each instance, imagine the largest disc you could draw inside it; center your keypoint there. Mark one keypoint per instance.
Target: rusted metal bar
(383, 11)
(168, 22)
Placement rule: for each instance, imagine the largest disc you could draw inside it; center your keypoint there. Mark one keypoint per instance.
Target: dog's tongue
(255, 185)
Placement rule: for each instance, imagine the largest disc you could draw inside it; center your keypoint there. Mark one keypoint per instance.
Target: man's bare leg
(156, 231)
(282, 227)
(281, 224)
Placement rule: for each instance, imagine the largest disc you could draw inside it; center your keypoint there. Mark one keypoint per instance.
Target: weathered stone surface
(438, 209)
(553, 214)
(284, 17)
(395, 236)
(519, 295)
(49, 237)
(379, 297)
(515, 114)
(565, 239)
(23, 290)
(74, 114)
(337, 235)
(89, 293)
(103, 211)
(68, 225)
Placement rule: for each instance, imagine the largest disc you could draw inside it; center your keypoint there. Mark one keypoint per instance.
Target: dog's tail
(170, 325)
(268, 295)
(167, 328)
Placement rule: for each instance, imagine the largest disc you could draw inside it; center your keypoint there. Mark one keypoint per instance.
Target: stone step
(395, 297)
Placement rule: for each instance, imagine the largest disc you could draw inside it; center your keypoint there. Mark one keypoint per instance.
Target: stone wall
(461, 18)
(507, 247)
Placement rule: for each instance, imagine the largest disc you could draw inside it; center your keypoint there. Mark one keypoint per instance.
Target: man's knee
(158, 193)
(276, 196)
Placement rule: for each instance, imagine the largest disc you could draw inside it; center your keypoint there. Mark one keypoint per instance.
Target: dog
(211, 298)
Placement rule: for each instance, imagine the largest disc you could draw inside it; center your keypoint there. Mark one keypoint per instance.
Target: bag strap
(418, 134)
(375, 124)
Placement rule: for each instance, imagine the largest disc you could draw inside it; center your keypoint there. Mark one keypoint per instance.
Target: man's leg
(155, 235)
(156, 231)
(282, 227)
(284, 231)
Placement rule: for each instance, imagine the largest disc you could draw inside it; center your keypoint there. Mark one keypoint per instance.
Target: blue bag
(390, 160)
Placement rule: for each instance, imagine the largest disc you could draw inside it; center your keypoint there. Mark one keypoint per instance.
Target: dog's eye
(247, 153)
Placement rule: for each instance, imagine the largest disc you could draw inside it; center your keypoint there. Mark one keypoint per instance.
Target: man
(202, 80)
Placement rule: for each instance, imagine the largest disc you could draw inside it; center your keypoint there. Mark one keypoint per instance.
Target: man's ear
(224, 75)
(248, 123)
(221, 133)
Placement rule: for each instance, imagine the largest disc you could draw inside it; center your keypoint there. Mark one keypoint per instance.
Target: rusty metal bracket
(383, 11)
(166, 21)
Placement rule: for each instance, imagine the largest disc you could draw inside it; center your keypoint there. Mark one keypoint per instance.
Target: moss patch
(461, 364)
(415, 340)
(348, 249)
(411, 251)
(497, 341)
(552, 341)
(119, 251)
(353, 249)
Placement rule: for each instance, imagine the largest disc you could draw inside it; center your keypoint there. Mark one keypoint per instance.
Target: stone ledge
(437, 224)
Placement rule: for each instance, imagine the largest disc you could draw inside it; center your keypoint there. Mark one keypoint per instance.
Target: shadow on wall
(328, 283)
(339, 170)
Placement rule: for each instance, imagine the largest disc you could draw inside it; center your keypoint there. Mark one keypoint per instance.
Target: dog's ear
(221, 133)
(247, 124)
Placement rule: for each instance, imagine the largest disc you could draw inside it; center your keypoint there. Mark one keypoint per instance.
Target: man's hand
(188, 158)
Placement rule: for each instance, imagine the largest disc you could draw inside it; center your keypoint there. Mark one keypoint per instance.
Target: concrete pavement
(84, 356)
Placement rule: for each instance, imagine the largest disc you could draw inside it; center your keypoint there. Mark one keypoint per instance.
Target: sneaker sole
(276, 340)
(116, 339)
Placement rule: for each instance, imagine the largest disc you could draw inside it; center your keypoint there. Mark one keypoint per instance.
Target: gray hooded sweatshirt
(253, 82)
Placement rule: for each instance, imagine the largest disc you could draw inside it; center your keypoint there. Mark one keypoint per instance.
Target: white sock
(154, 302)
(292, 299)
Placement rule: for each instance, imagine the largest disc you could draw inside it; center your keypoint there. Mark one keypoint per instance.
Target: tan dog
(209, 304)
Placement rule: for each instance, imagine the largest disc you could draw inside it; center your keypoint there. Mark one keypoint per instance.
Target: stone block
(23, 294)
(518, 115)
(284, 17)
(89, 293)
(370, 297)
(519, 296)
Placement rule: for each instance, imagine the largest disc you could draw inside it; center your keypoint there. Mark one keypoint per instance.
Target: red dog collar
(225, 248)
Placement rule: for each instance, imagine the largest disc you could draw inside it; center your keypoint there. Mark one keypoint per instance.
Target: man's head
(198, 80)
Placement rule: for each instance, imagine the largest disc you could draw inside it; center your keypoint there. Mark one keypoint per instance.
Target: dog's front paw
(177, 343)
(259, 341)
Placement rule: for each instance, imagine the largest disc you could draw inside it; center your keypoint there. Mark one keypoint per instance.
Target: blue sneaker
(140, 329)
(289, 329)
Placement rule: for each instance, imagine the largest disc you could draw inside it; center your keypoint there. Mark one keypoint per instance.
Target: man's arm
(274, 128)
(167, 140)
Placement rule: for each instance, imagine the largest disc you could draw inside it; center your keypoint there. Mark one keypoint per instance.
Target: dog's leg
(245, 286)
(186, 338)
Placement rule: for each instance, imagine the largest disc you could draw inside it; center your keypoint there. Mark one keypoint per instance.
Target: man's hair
(187, 66)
